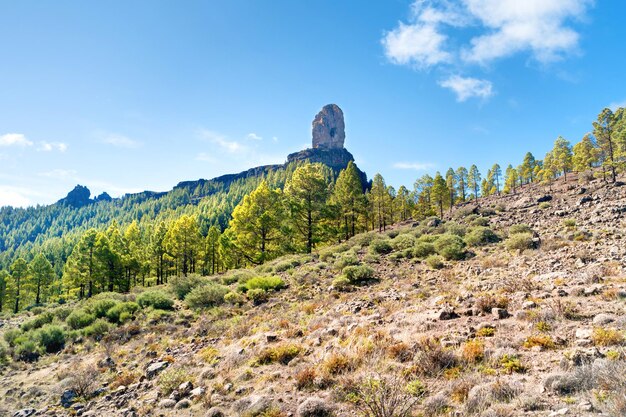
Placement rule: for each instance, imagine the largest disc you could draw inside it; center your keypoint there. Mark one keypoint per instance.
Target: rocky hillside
(510, 307)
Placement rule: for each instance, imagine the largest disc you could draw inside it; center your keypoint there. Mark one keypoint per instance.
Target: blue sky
(125, 96)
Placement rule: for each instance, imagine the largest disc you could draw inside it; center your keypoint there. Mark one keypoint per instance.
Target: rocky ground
(506, 331)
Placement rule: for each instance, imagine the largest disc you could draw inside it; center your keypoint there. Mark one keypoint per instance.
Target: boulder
(314, 407)
(328, 128)
(67, 398)
(252, 405)
(26, 412)
(155, 368)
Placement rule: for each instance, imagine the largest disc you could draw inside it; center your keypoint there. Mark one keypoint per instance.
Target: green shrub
(348, 258)
(51, 337)
(116, 313)
(4, 352)
(155, 299)
(282, 354)
(27, 350)
(569, 223)
(455, 229)
(381, 246)
(423, 250)
(234, 298)
(38, 321)
(108, 295)
(520, 241)
(79, 319)
(181, 286)
(428, 238)
(520, 228)
(257, 295)
(271, 283)
(480, 221)
(356, 274)
(450, 247)
(341, 282)
(62, 312)
(240, 275)
(11, 335)
(544, 205)
(170, 379)
(206, 296)
(100, 307)
(403, 242)
(97, 329)
(435, 262)
(480, 236)
(363, 239)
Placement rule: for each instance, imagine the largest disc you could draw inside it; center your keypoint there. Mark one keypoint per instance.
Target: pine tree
(497, 176)
(422, 190)
(510, 179)
(404, 203)
(440, 193)
(80, 269)
(473, 180)
(585, 154)
(212, 249)
(158, 251)
(379, 197)
(451, 183)
(182, 242)
(349, 198)
(256, 224)
(461, 175)
(18, 283)
(4, 280)
(307, 192)
(528, 168)
(603, 130)
(562, 156)
(42, 275)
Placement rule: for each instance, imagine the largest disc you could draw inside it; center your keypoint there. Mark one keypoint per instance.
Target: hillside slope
(527, 322)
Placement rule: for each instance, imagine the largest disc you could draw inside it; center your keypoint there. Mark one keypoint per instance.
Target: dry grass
(607, 337)
(473, 351)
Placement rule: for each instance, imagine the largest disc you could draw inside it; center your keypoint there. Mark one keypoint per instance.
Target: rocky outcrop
(78, 197)
(329, 128)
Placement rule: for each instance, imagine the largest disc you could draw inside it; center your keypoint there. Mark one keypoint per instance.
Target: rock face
(329, 128)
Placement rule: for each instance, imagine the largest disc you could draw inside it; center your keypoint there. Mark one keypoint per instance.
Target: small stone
(155, 368)
(184, 403)
(500, 313)
(447, 314)
(197, 393)
(527, 305)
(583, 333)
(185, 388)
(314, 407)
(560, 412)
(167, 403)
(26, 412)
(215, 412)
(271, 337)
(602, 319)
(67, 398)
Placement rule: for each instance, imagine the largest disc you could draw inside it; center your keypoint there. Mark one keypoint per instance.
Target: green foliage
(520, 241)
(358, 273)
(480, 236)
(479, 221)
(79, 319)
(450, 247)
(423, 250)
(348, 258)
(381, 246)
(97, 329)
(403, 241)
(100, 307)
(257, 295)
(271, 283)
(520, 228)
(282, 354)
(11, 335)
(181, 286)
(156, 299)
(171, 378)
(27, 350)
(51, 338)
(435, 262)
(238, 275)
(4, 352)
(234, 298)
(206, 296)
(455, 229)
(116, 314)
(38, 321)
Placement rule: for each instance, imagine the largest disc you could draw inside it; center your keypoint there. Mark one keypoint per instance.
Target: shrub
(385, 396)
(4, 352)
(480, 221)
(338, 363)
(272, 283)
(209, 355)
(305, 379)
(544, 205)
(62, 312)
(431, 358)
(511, 364)
(170, 379)
(488, 302)
(100, 307)
(79, 319)
(569, 223)
(520, 228)
(27, 350)
(97, 329)
(51, 338)
(435, 262)
(606, 337)
(241, 275)
(381, 246)
(356, 274)
(37, 322)
(206, 296)
(156, 299)
(116, 313)
(455, 229)
(282, 354)
(11, 335)
(341, 282)
(181, 286)
(84, 380)
(403, 242)
(473, 351)
(541, 340)
(348, 258)
(480, 236)
(423, 250)
(520, 241)
(450, 247)
(234, 298)
(257, 295)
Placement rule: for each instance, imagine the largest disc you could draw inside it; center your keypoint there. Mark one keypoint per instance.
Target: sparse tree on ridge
(451, 183)
(473, 180)
(461, 175)
(440, 193)
(585, 154)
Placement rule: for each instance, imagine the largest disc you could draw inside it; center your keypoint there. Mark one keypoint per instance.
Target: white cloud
(52, 146)
(14, 139)
(120, 141)
(415, 166)
(467, 87)
(61, 174)
(223, 142)
(253, 136)
(538, 26)
(416, 44)
(15, 196)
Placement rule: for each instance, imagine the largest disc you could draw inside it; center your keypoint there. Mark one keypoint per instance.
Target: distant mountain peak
(78, 197)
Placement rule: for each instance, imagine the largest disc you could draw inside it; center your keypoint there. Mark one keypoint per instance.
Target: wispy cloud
(253, 136)
(415, 166)
(467, 87)
(120, 141)
(223, 142)
(15, 139)
(51, 146)
(444, 33)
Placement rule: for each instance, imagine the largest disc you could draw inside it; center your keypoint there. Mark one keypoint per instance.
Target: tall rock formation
(329, 128)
